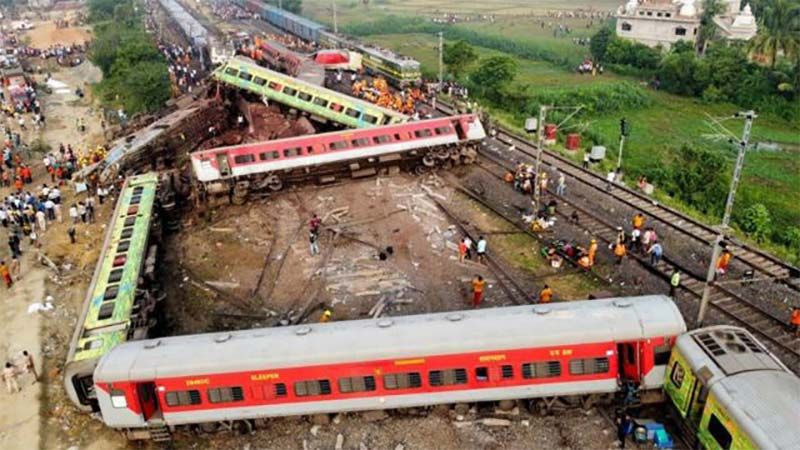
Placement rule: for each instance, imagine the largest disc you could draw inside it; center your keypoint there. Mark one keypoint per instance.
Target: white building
(654, 22)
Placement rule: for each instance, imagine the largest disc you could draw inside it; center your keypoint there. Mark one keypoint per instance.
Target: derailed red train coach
(430, 142)
(580, 348)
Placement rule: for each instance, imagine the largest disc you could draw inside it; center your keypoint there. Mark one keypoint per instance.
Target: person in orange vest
(462, 251)
(723, 262)
(619, 251)
(327, 315)
(18, 184)
(795, 321)
(584, 262)
(592, 251)
(546, 294)
(478, 284)
(638, 221)
(5, 274)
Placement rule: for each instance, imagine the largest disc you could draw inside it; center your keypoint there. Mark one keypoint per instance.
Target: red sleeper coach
(569, 349)
(433, 141)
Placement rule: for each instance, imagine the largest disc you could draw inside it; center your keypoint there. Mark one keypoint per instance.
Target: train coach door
(460, 130)
(148, 400)
(222, 163)
(628, 354)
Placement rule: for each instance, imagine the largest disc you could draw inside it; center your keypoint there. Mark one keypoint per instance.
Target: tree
(458, 57)
(678, 73)
(708, 28)
(599, 43)
(756, 222)
(778, 30)
(699, 178)
(493, 74)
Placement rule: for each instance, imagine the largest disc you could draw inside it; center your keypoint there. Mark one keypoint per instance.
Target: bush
(756, 222)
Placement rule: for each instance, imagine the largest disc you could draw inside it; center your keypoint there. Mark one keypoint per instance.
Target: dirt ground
(46, 34)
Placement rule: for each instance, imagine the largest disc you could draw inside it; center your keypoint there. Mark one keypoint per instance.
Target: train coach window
(507, 371)
(225, 395)
(129, 221)
(320, 102)
(544, 369)
(362, 142)
(183, 398)
(447, 377)
(397, 137)
(356, 384)
(310, 149)
(280, 390)
(245, 76)
(289, 91)
(138, 190)
(408, 380)
(335, 107)
(719, 432)
(370, 119)
(313, 387)
(352, 113)
(243, 159)
(111, 292)
(338, 145)
(231, 71)
(305, 96)
(294, 151)
(136, 199)
(423, 133)
(115, 275)
(259, 81)
(588, 366)
(443, 130)
(274, 86)
(382, 139)
(118, 399)
(123, 246)
(482, 373)
(661, 354)
(126, 233)
(266, 156)
(676, 376)
(106, 311)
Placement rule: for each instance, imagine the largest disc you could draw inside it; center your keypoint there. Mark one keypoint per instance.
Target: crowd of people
(377, 91)
(181, 67)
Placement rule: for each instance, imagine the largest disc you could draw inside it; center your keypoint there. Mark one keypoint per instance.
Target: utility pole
(749, 116)
(537, 191)
(335, 23)
(441, 58)
(280, 4)
(623, 132)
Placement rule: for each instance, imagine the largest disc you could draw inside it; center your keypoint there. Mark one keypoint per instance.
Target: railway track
(729, 305)
(756, 259)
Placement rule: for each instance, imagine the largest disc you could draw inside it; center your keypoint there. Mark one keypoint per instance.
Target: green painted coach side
(98, 342)
(714, 411)
(230, 73)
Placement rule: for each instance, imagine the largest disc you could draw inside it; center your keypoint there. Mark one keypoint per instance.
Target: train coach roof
(765, 405)
(591, 321)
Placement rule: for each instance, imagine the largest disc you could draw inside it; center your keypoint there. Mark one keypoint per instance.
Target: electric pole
(335, 24)
(441, 58)
(537, 194)
(624, 129)
(280, 4)
(749, 116)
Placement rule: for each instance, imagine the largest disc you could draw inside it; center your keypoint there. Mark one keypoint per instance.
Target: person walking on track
(478, 284)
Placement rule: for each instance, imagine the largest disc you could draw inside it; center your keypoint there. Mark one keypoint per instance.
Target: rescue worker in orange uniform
(478, 284)
(638, 221)
(723, 262)
(592, 251)
(620, 251)
(795, 321)
(546, 295)
(327, 315)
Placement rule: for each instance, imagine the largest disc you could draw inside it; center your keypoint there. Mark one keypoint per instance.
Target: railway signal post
(624, 131)
(749, 116)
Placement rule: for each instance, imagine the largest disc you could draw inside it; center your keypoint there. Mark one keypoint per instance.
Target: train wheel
(421, 169)
(274, 183)
(443, 153)
(208, 427)
(244, 427)
(429, 160)
(454, 152)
